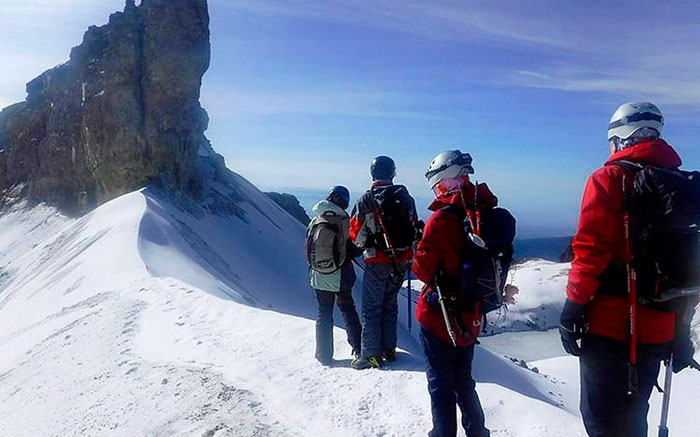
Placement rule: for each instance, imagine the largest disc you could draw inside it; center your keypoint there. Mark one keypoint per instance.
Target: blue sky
(303, 93)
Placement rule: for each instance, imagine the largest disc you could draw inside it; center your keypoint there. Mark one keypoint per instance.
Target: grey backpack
(325, 247)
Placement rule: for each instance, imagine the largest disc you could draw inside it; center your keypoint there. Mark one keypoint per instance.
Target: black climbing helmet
(340, 196)
(383, 169)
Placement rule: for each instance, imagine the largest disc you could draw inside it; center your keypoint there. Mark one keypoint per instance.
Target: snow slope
(146, 318)
(155, 315)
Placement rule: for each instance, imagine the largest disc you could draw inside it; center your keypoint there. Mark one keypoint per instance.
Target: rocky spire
(130, 6)
(121, 113)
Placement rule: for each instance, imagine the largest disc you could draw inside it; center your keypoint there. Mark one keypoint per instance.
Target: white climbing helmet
(631, 117)
(447, 165)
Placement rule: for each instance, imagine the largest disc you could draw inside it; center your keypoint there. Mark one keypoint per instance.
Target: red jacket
(440, 250)
(600, 241)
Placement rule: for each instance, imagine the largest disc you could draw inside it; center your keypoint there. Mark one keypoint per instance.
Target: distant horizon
(309, 197)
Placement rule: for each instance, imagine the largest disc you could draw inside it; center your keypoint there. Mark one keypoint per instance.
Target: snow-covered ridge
(157, 316)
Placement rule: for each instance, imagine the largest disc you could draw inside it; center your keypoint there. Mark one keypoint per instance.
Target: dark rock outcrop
(290, 204)
(121, 113)
(568, 254)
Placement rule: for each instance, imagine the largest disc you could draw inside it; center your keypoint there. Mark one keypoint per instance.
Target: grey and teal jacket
(343, 278)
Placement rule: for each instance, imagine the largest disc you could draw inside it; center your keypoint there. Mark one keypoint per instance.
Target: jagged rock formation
(122, 112)
(290, 204)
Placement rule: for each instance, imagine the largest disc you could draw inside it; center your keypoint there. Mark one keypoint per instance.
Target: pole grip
(663, 432)
(632, 380)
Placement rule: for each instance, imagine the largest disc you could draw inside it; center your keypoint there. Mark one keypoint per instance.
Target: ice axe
(446, 316)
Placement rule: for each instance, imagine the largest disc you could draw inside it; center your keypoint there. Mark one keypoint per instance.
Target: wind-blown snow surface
(152, 316)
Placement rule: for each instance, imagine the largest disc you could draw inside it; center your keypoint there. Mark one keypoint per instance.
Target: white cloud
(677, 90)
(449, 19)
(568, 46)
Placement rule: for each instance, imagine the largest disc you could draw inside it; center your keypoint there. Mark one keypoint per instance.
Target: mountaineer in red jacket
(597, 309)
(384, 224)
(439, 255)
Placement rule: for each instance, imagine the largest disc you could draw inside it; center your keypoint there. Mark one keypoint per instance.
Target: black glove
(370, 241)
(352, 251)
(431, 297)
(683, 349)
(572, 327)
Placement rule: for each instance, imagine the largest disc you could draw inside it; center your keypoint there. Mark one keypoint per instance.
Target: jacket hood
(657, 152)
(485, 198)
(324, 206)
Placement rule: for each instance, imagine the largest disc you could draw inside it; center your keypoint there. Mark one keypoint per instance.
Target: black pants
(324, 322)
(607, 409)
(450, 384)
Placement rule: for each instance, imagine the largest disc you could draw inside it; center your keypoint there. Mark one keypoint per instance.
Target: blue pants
(380, 309)
(450, 384)
(607, 409)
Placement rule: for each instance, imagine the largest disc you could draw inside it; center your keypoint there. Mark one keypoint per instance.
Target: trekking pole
(663, 425)
(632, 374)
(446, 316)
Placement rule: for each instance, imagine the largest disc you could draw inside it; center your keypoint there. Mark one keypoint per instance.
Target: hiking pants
(380, 308)
(450, 384)
(607, 409)
(324, 322)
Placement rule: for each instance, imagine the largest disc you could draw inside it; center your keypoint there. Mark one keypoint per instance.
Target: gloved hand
(683, 349)
(572, 327)
(370, 241)
(433, 299)
(431, 296)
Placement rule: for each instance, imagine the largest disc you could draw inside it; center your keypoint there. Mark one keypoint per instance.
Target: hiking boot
(389, 355)
(363, 363)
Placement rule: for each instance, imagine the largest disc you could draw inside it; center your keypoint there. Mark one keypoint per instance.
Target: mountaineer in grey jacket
(338, 284)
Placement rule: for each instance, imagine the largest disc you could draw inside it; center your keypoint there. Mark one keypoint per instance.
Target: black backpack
(664, 208)
(397, 210)
(486, 259)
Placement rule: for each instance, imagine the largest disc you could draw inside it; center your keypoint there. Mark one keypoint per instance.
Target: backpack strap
(453, 209)
(630, 165)
(330, 214)
(472, 221)
(630, 169)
